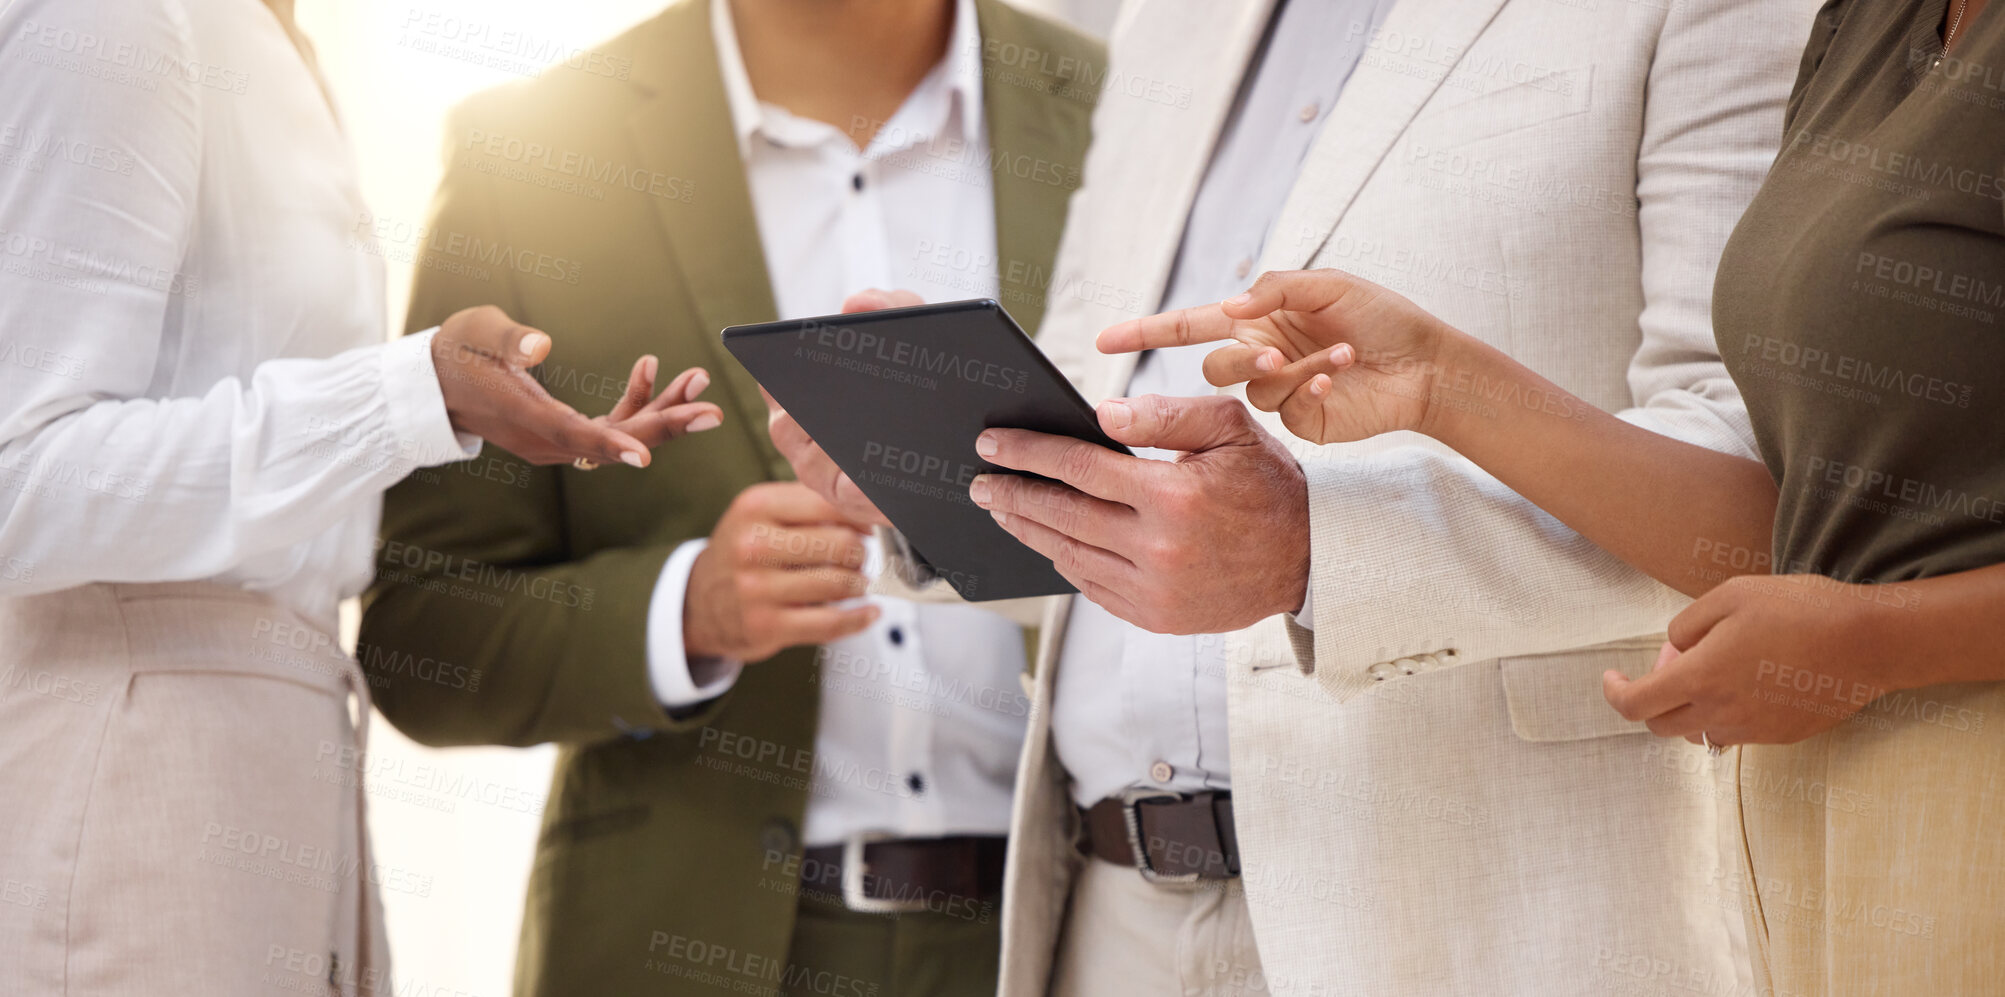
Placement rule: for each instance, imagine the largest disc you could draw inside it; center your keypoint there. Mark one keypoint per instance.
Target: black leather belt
(1167, 837)
(907, 874)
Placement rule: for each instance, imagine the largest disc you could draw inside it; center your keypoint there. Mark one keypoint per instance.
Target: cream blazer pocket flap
(1557, 697)
(1527, 96)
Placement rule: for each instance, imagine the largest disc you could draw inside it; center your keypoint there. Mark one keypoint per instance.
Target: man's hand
(777, 559)
(1210, 543)
(811, 464)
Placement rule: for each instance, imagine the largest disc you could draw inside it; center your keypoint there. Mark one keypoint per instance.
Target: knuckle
(746, 548)
(1070, 558)
(1077, 462)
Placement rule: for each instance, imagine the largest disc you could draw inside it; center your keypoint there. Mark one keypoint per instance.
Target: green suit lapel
(684, 131)
(1037, 144)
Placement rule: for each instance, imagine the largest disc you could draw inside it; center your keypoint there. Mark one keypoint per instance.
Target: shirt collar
(959, 73)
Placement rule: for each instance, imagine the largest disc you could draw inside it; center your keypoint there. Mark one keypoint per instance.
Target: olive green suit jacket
(606, 203)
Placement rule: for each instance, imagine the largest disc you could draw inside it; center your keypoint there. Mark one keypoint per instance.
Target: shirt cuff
(668, 664)
(418, 420)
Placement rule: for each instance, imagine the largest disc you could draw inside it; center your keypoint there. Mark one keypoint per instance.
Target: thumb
(866, 301)
(1205, 423)
(875, 299)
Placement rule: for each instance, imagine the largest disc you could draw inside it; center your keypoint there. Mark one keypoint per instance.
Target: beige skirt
(1875, 852)
(181, 798)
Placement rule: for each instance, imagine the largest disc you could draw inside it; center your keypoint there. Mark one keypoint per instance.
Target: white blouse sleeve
(98, 481)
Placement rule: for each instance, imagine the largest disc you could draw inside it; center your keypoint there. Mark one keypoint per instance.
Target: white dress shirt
(1138, 709)
(193, 379)
(922, 715)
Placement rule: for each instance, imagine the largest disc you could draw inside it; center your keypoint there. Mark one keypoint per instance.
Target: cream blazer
(1431, 795)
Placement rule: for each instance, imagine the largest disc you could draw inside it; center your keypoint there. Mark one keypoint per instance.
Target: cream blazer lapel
(1154, 132)
(1374, 110)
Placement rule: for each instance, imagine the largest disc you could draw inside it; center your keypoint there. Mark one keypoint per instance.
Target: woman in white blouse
(197, 415)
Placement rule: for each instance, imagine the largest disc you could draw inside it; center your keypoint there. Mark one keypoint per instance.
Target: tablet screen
(897, 397)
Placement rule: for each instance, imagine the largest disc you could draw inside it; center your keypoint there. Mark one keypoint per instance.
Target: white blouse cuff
(418, 421)
(670, 669)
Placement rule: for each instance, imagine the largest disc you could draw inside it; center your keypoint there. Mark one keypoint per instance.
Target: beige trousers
(181, 799)
(1876, 851)
(1124, 935)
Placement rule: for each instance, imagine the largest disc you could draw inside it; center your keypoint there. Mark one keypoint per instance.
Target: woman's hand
(1340, 358)
(656, 419)
(1765, 659)
(483, 358)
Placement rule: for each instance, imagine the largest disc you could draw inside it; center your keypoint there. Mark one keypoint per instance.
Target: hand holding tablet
(896, 399)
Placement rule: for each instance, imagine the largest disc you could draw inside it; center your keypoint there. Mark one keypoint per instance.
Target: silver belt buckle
(854, 896)
(1130, 800)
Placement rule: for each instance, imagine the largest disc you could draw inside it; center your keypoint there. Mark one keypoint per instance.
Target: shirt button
(916, 783)
(1245, 267)
(1162, 772)
(1308, 112)
(777, 835)
(856, 181)
(897, 636)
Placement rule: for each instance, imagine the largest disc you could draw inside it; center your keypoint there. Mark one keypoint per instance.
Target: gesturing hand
(1340, 358)
(655, 419)
(1763, 659)
(1212, 542)
(811, 464)
(483, 358)
(777, 561)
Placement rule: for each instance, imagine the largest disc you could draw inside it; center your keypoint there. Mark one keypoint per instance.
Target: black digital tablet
(897, 397)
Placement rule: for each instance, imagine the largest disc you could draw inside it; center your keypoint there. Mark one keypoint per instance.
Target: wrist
(699, 638)
(1456, 358)
(1887, 637)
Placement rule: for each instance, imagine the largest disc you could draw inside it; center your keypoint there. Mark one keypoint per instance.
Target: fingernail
(985, 445)
(1117, 414)
(979, 490)
(1240, 299)
(1267, 360)
(1001, 518)
(703, 422)
(531, 343)
(1342, 354)
(633, 458)
(649, 368)
(697, 384)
